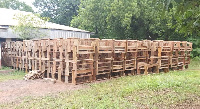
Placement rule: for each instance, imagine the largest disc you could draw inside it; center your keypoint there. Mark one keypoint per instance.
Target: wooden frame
(75, 60)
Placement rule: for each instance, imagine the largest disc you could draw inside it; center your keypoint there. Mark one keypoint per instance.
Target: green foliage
(11, 75)
(28, 26)
(15, 5)
(188, 22)
(164, 90)
(141, 19)
(123, 19)
(59, 11)
(187, 15)
(5, 68)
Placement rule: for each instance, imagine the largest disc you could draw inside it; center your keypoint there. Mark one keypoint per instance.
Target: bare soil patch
(16, 90)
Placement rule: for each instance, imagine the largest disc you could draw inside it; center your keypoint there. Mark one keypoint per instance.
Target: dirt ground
(16, 90)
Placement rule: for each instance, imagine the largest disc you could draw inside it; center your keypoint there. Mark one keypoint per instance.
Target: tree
(186, 15)
(122, 19)
(28, 26)
(142, 19)
(15, 5)
(59, 11)
(187, 18)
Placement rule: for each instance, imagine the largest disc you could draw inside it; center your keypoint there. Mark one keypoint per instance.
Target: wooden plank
(74, 71)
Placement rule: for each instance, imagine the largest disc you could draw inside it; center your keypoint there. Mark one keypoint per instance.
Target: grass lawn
(11, 75)
(176, 89)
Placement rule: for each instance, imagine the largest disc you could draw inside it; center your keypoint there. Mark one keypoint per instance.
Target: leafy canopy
(122, 19)
(141, 19)
(28, 26)
(15, 5)
(59, 11)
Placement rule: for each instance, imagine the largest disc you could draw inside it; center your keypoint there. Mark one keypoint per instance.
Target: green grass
(11, 76)
(5, 68)
(164, 90)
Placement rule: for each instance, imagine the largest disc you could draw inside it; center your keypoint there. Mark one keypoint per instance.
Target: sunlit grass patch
(12, 75)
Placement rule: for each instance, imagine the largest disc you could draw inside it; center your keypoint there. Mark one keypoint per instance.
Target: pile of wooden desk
(75, 60)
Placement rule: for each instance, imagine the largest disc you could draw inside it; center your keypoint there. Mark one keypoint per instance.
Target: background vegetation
(28, 26)
(124, 19)
(58, 11)
(16, 5)
(141, 19)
